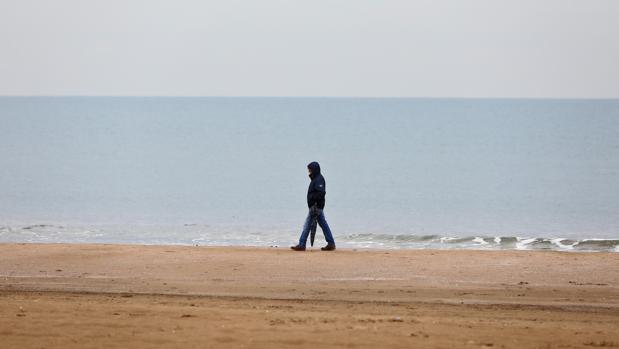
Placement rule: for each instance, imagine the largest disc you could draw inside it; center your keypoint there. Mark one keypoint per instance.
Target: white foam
(559, 242)
(480, 241)
(446, 239)
(523, 242)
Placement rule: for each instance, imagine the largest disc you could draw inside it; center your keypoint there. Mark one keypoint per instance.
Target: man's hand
(314, 211)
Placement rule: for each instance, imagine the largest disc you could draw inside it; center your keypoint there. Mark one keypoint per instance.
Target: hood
(314, 167)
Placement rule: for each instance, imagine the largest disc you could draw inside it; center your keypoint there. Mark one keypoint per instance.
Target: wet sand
(79, 296)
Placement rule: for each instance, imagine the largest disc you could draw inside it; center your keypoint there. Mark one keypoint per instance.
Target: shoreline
(120, 295)
(615, 250)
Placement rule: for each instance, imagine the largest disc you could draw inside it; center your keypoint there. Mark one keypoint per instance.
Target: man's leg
(322, 221)
(306, 231)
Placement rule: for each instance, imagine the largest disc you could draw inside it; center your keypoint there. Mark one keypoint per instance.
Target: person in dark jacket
(316, 204)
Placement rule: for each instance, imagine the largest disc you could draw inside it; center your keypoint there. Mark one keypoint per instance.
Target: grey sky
(448, 48)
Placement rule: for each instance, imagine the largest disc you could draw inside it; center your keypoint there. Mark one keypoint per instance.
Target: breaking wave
(246, 235)
(370, 240)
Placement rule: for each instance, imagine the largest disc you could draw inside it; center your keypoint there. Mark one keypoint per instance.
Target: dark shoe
(329, 247)
(297, 248)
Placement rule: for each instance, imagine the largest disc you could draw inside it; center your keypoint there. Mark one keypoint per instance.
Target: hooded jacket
(317, 187)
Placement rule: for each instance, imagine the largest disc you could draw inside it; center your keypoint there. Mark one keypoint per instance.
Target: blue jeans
(322, 222)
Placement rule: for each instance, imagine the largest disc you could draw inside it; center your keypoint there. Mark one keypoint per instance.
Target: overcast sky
(434, 48)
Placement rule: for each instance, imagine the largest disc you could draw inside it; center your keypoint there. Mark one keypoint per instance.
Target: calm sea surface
(401, 173)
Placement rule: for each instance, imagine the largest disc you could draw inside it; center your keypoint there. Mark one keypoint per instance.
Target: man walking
(316, 203)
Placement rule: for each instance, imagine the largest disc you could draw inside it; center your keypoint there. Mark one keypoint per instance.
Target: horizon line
(306, 97)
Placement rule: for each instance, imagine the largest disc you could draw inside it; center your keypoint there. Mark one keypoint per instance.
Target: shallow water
(401, 173)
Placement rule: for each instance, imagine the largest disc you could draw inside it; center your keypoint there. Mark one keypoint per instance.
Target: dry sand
(81, 296)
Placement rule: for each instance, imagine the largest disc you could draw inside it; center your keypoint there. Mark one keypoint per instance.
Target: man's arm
(317, 192)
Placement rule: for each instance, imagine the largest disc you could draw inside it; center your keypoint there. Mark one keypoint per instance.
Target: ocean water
(401, 173)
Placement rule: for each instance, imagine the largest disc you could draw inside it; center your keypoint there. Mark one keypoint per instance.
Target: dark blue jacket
(317, 187)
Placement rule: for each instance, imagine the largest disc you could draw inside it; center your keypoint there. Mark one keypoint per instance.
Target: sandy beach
(81, 296)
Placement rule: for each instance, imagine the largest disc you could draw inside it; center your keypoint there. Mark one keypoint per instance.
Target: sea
(401, 173)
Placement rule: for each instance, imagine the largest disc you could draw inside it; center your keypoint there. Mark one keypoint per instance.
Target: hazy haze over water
(408, 48)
